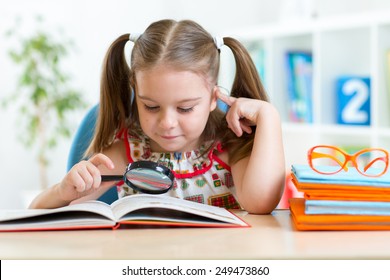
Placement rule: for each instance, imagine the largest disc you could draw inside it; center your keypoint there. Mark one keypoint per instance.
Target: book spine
(258, 56)
(347, 207)
(291, 88)
(299, 76)
(387, 63)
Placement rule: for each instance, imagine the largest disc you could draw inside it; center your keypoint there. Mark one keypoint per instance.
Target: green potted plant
(43, 92)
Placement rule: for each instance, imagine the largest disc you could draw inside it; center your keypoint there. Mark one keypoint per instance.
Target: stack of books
(342, 201)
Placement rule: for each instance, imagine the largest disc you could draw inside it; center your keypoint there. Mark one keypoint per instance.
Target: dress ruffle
(183, 164)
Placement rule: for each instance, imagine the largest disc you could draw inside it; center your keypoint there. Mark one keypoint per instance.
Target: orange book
(320, 190)
(334, 221)
(342, 195)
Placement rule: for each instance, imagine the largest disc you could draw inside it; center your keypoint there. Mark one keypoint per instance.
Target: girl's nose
(168, 120)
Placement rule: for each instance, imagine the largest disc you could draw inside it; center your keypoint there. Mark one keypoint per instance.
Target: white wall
(93, 25)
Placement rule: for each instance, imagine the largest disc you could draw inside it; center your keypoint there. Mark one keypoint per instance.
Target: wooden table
(270, 237)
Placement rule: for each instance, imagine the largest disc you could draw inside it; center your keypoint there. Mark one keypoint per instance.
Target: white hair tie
(134, 36)
(218, 41)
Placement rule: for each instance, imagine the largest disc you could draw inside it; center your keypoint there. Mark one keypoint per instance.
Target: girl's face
(173, 107)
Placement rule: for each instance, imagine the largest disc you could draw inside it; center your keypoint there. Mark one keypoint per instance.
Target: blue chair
(80, 143)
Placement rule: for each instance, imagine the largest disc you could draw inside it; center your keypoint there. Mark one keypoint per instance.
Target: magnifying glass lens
(145, 176)
(149, 179)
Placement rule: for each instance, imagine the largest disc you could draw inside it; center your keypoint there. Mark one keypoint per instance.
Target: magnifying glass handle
(109, 178)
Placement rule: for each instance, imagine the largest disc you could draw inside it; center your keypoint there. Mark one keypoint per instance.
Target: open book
(130, 211)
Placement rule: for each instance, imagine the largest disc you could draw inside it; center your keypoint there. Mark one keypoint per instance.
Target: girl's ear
(214, 99)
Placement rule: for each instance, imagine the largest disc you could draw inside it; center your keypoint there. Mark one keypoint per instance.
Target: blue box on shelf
(353, 100)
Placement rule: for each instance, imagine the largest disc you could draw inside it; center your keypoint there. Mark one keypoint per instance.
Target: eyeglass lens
(147, 177)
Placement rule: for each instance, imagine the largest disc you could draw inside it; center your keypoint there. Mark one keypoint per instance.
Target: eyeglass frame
(350, 158)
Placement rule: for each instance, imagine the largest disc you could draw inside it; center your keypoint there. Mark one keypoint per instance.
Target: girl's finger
(228, 100)
(101, 159)
(235, 126)
(246, 127)
(95, 174)
(77, 181)
(87, 178)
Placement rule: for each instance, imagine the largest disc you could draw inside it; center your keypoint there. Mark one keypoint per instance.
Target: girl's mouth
(168, 137)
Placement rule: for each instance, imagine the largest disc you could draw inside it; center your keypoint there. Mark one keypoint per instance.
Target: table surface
(269, 237)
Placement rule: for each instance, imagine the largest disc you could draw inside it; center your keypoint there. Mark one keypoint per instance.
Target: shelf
(346, 130)
(354, 45)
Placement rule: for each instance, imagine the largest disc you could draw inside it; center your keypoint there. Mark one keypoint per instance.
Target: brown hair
(183, 45)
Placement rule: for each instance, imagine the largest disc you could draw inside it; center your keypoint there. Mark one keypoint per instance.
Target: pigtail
(115, 96)
(246, 81)
(246, 84)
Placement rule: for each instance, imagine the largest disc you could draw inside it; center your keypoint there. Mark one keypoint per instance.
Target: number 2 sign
(353, 100)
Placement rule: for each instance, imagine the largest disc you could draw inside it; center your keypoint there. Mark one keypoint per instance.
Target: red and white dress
(201, 177)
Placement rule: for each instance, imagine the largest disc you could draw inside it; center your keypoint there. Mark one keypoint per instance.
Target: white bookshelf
(343, 45)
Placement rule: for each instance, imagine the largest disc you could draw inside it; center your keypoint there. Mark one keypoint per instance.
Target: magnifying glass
(146, 177)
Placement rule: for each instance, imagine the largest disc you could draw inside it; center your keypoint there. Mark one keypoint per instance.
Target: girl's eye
(185, 110)
(151, 108)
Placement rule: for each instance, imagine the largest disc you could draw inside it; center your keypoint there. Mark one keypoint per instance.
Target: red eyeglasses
(371, 162)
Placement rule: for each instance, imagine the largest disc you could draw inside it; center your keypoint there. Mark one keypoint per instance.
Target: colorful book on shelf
(299, 77)
(258, 56)
(304, 221)
(128, 212)
(387, 69)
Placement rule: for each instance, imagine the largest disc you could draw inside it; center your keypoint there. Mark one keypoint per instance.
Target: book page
(96, 207)
(132, 203)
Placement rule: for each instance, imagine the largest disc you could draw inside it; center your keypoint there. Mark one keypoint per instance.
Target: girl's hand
(84, 178)
(242, 114)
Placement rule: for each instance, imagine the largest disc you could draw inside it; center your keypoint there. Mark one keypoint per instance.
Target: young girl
(163, 108)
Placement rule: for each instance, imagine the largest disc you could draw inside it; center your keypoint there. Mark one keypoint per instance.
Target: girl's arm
(83, 181)
(259, 178)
